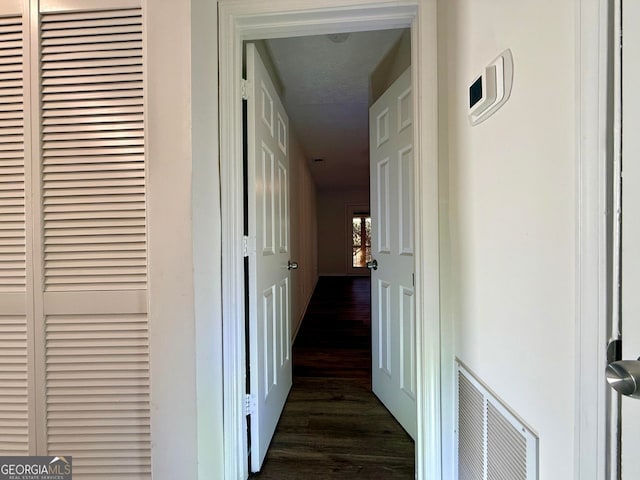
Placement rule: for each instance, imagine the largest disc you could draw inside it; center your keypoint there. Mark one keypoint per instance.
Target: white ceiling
(326, 94)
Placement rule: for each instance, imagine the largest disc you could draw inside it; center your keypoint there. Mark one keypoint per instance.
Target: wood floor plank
(332, 426)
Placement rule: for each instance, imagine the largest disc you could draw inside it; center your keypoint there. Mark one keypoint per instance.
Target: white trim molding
(592, 324)
(241, 20)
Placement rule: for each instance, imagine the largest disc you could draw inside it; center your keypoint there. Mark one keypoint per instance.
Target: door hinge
(248, 245)
(249, 404)
(245, 246)
(244, 89)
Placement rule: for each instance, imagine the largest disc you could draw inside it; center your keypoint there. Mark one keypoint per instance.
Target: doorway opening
(290, 101)
(239, 22)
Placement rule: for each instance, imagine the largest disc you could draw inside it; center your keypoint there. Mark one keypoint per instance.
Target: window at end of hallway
(361, 240)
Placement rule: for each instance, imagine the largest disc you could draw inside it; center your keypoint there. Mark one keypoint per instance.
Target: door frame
(594, 126)
(256, 19)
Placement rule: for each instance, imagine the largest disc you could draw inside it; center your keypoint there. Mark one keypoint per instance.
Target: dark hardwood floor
(332, 426)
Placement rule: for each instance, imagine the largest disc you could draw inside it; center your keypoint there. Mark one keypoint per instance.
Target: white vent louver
(493, 444)
(93, 151)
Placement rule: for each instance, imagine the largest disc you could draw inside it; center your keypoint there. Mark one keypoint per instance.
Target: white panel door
(269, 277)
(16, 379)
(631, 230)
(392, 284)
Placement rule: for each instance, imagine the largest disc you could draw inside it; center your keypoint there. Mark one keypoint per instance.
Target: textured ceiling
(326, 94)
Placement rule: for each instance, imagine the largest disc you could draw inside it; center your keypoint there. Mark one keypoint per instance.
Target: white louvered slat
(125, 42)
(93, 156)
(12, 158)
(97, 383)
(88, 82)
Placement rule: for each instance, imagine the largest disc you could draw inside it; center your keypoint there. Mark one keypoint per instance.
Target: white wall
(206, 237)
(304, 232)
(508, 230)
(184, 316)
(333, 235)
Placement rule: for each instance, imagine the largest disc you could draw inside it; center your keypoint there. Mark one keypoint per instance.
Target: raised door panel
(284, 325)
(282, 192)
(382, 334)
(405, 204)
(407, 342)
(266, 200)
(383, 207)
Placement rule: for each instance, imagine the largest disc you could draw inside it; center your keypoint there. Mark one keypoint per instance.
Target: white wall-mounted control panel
(492, 89)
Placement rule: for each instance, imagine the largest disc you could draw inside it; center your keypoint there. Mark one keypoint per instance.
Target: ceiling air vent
(493, 444)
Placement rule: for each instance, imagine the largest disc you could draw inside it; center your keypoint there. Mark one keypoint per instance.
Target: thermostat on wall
(492, 89)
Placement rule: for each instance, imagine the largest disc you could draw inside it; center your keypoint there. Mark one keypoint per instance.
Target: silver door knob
(372, 265)
(292, 265)
(624, 377)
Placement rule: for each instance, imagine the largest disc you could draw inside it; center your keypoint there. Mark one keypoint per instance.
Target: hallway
(332, 426)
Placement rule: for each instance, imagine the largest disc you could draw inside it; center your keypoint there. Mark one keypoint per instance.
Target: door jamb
(592, 248)
(254, 19)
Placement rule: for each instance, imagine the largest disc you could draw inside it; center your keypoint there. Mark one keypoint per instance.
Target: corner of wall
(172, 327)
(206, 238)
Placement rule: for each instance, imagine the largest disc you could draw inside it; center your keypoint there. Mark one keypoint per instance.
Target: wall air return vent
(492, 443)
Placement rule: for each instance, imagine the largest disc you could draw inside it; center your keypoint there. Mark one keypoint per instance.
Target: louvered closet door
(93, 269)
(15, 433)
